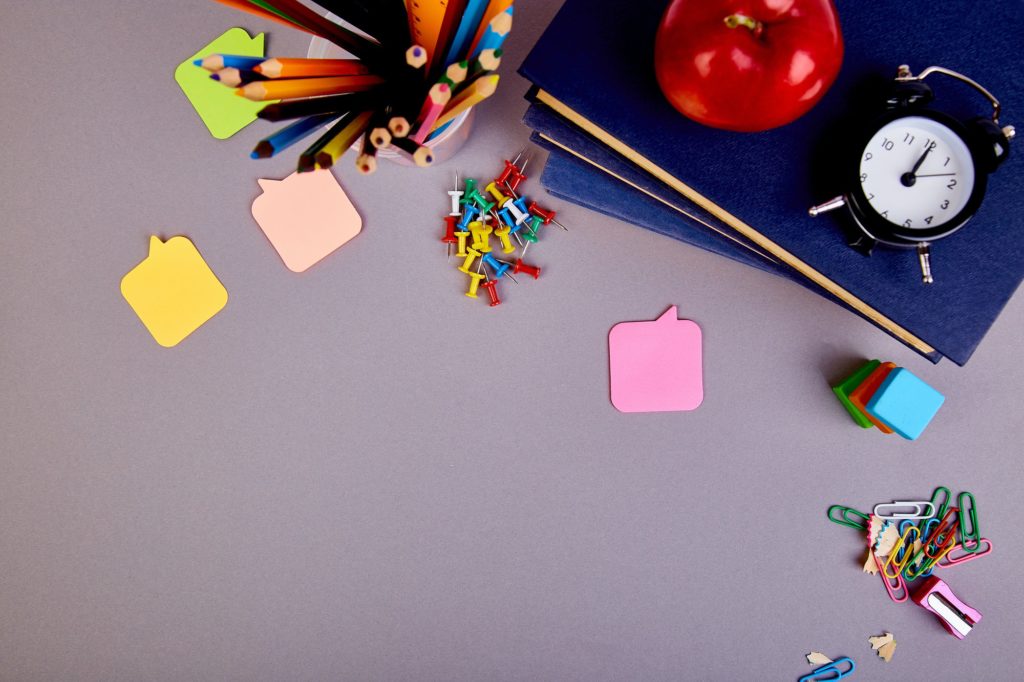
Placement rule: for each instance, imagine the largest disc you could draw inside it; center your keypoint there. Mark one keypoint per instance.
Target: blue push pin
(469, 214)
(506, 217)
(498, 267)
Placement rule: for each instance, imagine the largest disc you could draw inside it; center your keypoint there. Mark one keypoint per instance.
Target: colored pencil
(357, 14)
(334, 149)
(468, 24)
(420, 155)
(306, 87)
(410, 78)
(235, 77)
(495, 8)
(497, 31)
(425, 19)
(437, 98)
(307, 159)
(380, 136)
(455, 73)
(255, 10)
(281, 67)
(366, 162)
(300, 108)
(480, 90)
(451, 16)
(487, 63)
(366, 50)
(216, 62)
(289, 135)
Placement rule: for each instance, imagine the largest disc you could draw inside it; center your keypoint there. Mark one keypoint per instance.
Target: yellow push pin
(461, 236)
(471, 255)
(503, 235)
(481, 236)
(500, 198)
(474, 283)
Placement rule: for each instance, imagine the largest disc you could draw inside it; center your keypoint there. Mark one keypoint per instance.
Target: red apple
(747, 65)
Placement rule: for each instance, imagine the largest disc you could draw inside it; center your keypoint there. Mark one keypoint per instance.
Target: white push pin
(456, 197)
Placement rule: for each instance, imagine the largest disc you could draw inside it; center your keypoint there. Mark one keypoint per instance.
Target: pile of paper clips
(477, 212)
(907, 541)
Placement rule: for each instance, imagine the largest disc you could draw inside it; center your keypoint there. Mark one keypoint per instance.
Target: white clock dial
(916, 173)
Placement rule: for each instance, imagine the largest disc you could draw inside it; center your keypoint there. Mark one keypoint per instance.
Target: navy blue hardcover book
(594, 67)
(572, 179)
(580, 167)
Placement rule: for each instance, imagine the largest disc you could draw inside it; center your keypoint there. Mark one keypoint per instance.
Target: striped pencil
(289, 135)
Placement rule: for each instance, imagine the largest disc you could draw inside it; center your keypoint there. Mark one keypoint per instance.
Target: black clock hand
(907, 179)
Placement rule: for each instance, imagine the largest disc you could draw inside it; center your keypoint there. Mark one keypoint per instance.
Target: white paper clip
(898, 510)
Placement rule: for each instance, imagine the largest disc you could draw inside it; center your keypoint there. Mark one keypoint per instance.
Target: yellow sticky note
(173, 291)
(306, 217)
(222, 111)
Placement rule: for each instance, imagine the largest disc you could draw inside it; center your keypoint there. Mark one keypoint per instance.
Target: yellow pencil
(282, 67)
(478, 91)
(306, 87)
(332, 151)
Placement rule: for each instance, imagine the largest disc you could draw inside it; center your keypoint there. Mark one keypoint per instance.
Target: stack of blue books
(617, 146)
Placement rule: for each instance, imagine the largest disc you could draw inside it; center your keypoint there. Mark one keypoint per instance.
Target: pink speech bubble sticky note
(306, 216)
(656, 366)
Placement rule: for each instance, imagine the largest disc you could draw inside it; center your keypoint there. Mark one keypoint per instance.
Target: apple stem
(736, 20)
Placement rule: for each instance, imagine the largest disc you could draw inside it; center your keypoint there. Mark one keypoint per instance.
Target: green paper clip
(940, 510)
(969, 517)
(845, 520)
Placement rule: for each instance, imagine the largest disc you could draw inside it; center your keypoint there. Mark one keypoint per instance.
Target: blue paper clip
(831, 670)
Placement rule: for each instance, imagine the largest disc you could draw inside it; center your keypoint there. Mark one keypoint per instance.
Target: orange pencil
(306, 87)
(284, 67)
(478, 91)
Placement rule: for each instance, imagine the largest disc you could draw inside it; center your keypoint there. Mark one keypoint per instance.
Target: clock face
(916, 173)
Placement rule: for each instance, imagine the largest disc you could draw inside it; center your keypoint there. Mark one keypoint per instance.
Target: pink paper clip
(956, 616)
(897, 589)
(957, 555)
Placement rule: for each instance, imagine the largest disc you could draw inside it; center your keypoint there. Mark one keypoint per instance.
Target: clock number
(884, 214)
(952, 184)
(930, 144)
(863, 177)
(868, 156)
(908, 138)
(945, 204)
(906, 223)
(870, 197)
(947, 162)
(929, 219)
(887, 143)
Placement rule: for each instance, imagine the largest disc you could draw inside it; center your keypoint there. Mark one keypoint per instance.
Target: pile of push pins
(499, 210)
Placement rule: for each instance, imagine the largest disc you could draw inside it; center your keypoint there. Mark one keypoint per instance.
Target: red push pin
(449, 233)
(547, 216)
(491, 285)
(510, 168)
(531, 270)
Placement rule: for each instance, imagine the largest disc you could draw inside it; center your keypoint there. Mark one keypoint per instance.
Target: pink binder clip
(958, 617)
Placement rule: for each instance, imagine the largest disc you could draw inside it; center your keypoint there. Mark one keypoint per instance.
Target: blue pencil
(216, 62)
(496, 32)
(289, 135)
(471, 18)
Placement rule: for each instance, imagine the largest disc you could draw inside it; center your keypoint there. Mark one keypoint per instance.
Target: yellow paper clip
(900, 563)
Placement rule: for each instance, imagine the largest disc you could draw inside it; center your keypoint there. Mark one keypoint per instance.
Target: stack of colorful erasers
(477, 212)
(889, 397)
(908, 540)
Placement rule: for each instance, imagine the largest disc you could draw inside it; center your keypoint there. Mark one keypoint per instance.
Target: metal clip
(844, 517)
(918, 513)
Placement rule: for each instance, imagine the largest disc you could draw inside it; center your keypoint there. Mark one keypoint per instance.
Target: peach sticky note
(306, 216)
(173, 291)
(221, 110)
(656, 366)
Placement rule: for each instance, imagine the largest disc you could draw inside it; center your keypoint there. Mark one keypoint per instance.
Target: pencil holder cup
(445, 143)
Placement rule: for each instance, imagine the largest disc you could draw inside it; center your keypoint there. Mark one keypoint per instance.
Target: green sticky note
(847, 387)
(223, 112)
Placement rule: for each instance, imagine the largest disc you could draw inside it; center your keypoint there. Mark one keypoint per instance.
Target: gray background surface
(359, 474)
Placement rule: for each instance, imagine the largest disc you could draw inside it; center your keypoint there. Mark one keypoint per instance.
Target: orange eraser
(861, 395)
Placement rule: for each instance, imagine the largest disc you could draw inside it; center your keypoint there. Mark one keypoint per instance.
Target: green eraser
(848, 385)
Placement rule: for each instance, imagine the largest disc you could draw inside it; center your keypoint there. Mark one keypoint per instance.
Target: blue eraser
(904, 403)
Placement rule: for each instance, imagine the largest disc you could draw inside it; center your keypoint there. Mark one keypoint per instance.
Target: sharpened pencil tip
(197, 62)
(215, 76)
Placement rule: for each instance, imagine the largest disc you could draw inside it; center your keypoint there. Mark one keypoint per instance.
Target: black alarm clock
(920, 174)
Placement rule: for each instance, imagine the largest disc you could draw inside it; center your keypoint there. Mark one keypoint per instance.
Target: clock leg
(925, 257)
